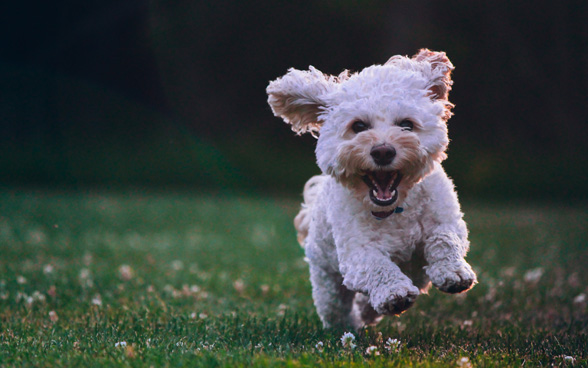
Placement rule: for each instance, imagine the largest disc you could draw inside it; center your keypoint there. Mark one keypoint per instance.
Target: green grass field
(159, 279)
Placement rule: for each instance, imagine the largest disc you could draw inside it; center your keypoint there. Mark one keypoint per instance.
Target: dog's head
(380, 131)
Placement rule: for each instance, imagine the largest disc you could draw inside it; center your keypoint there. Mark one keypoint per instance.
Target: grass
(160, 279)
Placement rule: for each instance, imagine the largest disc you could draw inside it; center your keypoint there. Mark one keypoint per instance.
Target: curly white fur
(367, 258)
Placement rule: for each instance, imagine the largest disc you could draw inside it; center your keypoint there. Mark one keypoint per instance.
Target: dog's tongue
(383, 181)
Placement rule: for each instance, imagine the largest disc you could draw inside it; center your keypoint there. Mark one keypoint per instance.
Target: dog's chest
(352, 226)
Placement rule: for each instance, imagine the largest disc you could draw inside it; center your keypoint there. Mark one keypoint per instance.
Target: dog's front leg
(445, 251)
(370, 271)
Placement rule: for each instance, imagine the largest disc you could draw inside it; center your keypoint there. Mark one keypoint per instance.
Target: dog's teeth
(393, 192)
(375, 193)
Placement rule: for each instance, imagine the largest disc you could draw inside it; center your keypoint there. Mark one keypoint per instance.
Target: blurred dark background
(118, 93)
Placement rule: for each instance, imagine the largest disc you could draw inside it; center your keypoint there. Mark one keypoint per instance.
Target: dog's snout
(383, 154)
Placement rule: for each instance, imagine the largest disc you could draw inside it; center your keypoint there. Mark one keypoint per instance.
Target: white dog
(383, 221)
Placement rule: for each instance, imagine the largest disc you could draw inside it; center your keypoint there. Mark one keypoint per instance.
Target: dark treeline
(159, 92)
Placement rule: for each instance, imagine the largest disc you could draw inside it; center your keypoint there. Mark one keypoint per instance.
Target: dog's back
(311, 191)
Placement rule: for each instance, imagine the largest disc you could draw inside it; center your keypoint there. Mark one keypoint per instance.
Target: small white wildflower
(177, 265)
(372, 350)
(179, 343)
(392, 344)
(85, 277)
(126, 272)
(48, 269)
(194, 289)
(569, 359)
(120, 344)
(533, 276)
(203, 315)
(97, 300)
(30, 300)
(210, 347)
(348, 340)
(53, 316)
(21, 280)
(468, 322)
(319, 346)
(84, 274)
(239, 286)
(282, 309)
(38, 296)
(580, 299)
(464, 362)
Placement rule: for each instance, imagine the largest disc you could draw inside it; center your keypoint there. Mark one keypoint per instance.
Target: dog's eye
(406, 125)
(359, 126)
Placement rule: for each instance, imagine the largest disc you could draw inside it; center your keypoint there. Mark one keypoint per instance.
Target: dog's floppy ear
(441, 69)
(297, 97)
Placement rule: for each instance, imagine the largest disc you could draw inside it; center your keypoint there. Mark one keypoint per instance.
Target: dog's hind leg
(364, 311)
(333, 301)
(302, 221)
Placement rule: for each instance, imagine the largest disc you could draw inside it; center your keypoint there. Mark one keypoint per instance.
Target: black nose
(383, 154)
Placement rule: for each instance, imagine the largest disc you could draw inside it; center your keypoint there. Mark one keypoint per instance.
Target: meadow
(147, 278)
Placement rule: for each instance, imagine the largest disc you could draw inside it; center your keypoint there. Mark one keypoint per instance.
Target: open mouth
(382, 186)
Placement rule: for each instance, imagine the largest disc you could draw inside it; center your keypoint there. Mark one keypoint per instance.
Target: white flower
(580, 299)
(392, 344)
(47, 269)
(372, 350)
(239, 286)
(85, 278)
(21, 280)
(464, 362)
(38, 296)
(120, 344)
(533, 276)
(319, 346)
(195, 289)
(569, 359)
(97, 300)
(177, 265)
(53, 316)
(348, 340)
(126, 272)
(84, 274)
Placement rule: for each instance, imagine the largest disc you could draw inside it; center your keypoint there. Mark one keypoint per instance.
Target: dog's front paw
(452, 276)
(393, 301)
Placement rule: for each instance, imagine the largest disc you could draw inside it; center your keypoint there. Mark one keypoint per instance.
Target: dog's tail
(302, 220)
